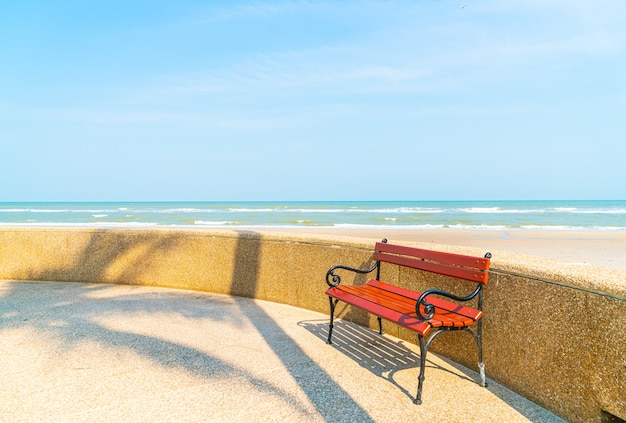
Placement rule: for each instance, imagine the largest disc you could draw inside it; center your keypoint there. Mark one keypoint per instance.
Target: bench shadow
(381, 355)
(385, 356)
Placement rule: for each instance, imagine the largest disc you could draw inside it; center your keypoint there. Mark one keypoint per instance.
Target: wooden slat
(439, 256)
(398, 305)
(402, 319)
(381, 297)
(447, 319)
(437, 302)
(395, 289)
(439, 268)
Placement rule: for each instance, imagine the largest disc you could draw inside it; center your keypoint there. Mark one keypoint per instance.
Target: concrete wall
(554, 332)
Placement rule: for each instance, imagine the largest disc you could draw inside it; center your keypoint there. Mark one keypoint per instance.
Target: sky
(312, 100)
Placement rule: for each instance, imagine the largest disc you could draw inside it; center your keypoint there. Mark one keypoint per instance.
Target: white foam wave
(573, 228)
(338, 225)
(339, 210)
(186, 210)
(590, 211)
(246, 210)
(481, 210)
(124, 224)
(58, 211)
(85, 225)
(498, 210)
(391, 227)
(93, 210)
(48, 211)
(481, 227)
(402, 210)
(550, 227)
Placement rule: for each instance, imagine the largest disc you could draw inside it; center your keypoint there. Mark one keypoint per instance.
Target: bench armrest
(429, 309)
(336, 279)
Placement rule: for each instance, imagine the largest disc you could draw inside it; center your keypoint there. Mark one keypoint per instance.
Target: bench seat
(398, 306)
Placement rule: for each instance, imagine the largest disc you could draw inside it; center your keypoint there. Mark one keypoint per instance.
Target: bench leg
(423, 350)
(333, 304)
(481, 363)
(478, 337)
(380, 326)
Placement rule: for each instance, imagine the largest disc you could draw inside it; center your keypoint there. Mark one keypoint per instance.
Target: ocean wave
(480, 227)
(185, 210)
(338, 210)
(42, 211)
(58, 210)
(572, 228)
(589, 211)
(404, 210)
(480, 210)
(342, 210)
(248, 210)
(305, 224)
(493, 215)
(124, 224)
(392, 227)
(215, 223)
(94, 210)
(15, 210)
(85, 224)
(497, 210)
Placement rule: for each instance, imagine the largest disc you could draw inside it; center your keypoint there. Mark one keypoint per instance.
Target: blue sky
(312, 100)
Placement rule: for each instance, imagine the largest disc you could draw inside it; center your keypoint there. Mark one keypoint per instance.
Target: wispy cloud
(393, 60)
(399, 51)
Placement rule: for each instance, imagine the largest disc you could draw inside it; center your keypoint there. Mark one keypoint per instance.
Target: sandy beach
(600, 248)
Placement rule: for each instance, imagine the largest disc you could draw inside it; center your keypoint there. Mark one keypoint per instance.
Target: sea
(473, 215)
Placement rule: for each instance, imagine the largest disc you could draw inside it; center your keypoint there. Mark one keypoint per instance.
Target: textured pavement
(101, 353)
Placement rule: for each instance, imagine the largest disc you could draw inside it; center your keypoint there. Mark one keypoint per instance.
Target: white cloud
(402, 54)
(389, 60)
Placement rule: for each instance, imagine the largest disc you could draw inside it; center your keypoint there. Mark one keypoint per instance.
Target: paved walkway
(86, 352)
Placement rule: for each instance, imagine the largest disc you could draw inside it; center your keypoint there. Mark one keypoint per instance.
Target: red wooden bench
(433, 315)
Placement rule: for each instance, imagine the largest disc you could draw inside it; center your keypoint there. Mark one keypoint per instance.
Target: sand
(601, 248)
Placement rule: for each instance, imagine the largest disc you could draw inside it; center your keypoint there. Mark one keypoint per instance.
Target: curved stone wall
(554, 332)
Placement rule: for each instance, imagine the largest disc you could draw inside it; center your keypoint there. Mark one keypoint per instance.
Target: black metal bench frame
(423, 312)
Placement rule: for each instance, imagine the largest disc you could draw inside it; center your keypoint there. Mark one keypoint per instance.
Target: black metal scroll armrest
(336, 279)
(429, 309)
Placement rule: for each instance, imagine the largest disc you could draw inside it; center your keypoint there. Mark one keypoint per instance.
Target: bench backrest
(457, 265)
